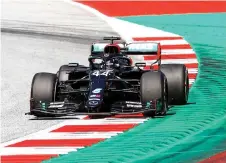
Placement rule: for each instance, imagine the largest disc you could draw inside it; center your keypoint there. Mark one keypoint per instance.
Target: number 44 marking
(97, 73)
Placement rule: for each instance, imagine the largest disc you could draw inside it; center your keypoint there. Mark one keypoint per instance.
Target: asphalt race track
(39, 36)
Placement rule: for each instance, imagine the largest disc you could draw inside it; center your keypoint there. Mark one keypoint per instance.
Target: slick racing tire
(178, 83)
(154, 86)
(43, 89)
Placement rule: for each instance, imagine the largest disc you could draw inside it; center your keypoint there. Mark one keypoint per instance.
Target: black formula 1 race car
(110, 85)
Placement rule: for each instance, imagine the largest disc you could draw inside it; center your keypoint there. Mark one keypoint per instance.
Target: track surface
(35, 36)
(72, 126)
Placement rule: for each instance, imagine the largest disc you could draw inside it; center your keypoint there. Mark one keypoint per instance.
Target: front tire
(42, 89)
(154, 86)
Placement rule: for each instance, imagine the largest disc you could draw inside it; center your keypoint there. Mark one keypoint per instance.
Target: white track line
(122, 27)
(37, 150)
(136, 30)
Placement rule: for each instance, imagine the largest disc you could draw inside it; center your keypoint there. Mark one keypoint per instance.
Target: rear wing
(98, 48)
(143, 48)
(135, 48)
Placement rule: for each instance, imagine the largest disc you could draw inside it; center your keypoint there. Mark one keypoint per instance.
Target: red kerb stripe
(218, 158)
(56, 143)
(154, 7)
(182, 46)
(129, 116)
(192, 76)
(95, 128)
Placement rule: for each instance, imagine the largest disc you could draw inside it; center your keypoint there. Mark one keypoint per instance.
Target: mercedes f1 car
(110, 85)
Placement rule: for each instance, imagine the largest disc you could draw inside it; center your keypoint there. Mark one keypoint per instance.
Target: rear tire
(178, 83)
(154, 86)
(43, 89)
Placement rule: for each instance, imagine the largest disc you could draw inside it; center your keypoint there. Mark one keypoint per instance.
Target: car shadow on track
(113, 117)
(169, 113)
(53, 118)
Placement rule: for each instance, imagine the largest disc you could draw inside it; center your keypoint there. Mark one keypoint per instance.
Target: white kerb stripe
(192, 70)
(71, 135)
(37, 150)
(81, 116)
(169, 42)
(125, 120)
(191, 81)
(167, 61)
(78, 122)
(177, 51)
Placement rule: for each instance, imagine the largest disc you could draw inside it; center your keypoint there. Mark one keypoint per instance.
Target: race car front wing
(72, 109)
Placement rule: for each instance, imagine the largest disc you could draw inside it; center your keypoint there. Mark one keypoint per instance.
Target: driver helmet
(109, 52)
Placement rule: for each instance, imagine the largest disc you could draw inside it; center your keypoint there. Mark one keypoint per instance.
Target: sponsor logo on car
(95, 95)
(134, 106)
(132, 102)
(97, 90)
(93, 102)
